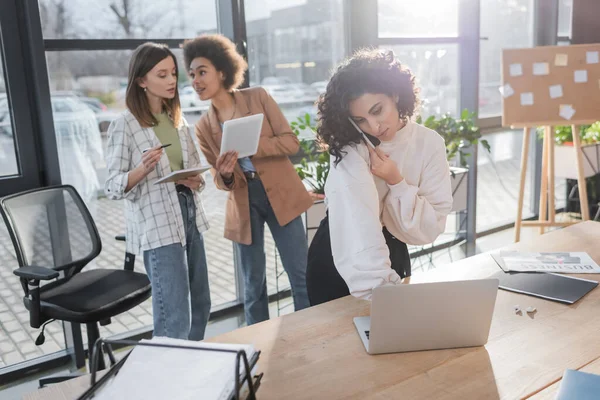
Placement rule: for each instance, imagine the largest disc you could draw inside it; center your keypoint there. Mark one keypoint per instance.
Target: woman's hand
(226, 163)
(383, 167)
(193, 182)
(150, 158)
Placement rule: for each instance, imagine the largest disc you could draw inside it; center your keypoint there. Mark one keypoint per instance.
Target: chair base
(93, 334)
(57, 379)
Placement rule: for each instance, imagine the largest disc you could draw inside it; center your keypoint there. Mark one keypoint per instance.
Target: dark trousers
(323, 281)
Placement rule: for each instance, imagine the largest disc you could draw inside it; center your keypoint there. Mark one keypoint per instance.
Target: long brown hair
(144, 58)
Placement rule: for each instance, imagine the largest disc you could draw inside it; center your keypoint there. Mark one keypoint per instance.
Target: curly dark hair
(367, 71)
(222, 54)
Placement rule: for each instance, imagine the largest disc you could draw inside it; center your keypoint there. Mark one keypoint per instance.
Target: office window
(504, 24)
(132, 19)
(423, 18)
(436, 70)
(565, 17)
(8, 154)
(292, 47)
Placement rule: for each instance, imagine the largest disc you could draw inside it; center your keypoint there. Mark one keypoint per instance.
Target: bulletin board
(551, 85)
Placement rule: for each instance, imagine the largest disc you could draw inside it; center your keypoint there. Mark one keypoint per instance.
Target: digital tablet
(242, 135)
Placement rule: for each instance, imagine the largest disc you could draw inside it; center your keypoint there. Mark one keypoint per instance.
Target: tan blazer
(285, 190)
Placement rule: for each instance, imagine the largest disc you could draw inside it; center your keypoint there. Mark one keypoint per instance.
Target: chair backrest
(51, 227)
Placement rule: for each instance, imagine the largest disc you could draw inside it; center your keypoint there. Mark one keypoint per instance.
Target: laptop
(428, 316)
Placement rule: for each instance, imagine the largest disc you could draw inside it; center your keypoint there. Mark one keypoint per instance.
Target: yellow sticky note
(561, 60)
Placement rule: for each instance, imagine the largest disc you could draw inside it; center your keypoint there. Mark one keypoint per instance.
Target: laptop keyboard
(367, 333)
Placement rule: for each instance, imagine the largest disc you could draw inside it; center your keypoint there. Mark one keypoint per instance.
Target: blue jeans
(179, 277)
(293, 249)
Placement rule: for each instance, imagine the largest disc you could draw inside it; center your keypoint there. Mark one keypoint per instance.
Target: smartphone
(370, 139)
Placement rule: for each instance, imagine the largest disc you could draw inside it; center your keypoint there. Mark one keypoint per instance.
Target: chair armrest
(34, 272)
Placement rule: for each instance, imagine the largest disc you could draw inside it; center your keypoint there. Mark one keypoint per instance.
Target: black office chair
(55, 237)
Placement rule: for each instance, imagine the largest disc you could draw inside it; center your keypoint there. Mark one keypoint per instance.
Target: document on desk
(557, 262)
(172, 373)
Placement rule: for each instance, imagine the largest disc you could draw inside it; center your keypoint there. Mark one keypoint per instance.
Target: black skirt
(323, 281)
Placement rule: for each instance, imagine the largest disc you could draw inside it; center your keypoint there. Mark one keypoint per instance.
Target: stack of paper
(561, 262)
(170, 373)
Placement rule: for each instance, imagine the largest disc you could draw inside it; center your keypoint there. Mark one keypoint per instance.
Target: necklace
(233, 113)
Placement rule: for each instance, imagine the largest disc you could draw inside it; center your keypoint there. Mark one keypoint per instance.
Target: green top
(167, 133)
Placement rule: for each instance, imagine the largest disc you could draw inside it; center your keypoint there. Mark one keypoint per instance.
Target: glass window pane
(436, 70)
(565, 15)
(505, 24)
(292, 47)
(8, 152)
(109, 19)
(423, 18)
(498, 178)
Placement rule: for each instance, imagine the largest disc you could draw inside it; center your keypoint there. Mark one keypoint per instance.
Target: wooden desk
(67, 390)
(316, 353)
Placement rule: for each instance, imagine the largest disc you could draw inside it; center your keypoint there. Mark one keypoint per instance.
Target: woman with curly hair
(389, 182)
(263, 188)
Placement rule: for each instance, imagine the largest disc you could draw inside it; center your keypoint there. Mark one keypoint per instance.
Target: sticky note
(516, 70)
(580, 76)
(561, 60)
(556, 91)
(541, 69)
(592, 57)
(527, 99)
(506, 90)
(566, 111)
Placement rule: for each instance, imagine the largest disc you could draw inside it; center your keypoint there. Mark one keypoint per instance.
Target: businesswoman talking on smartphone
(386, 189)
(164, 221)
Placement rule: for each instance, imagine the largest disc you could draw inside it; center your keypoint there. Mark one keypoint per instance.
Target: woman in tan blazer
(262, 188)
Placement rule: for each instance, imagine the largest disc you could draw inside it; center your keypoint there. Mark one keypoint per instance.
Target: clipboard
(183, 174)
(252, 382)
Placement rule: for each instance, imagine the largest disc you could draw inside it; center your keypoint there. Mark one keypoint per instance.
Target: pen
(162, 147)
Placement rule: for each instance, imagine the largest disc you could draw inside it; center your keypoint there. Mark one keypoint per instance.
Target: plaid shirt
(152, 212)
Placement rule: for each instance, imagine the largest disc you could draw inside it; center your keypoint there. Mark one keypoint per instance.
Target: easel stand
(547, 214)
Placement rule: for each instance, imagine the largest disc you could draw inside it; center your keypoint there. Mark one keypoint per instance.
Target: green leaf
(486, 145)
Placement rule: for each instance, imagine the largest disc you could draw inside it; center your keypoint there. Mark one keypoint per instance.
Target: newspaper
(562, 262)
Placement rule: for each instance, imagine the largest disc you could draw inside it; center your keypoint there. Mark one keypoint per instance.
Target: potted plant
(460, 134)
(312, 169)
(314, 166)
(565, 164)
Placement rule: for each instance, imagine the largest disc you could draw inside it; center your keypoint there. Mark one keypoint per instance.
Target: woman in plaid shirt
(165, 221)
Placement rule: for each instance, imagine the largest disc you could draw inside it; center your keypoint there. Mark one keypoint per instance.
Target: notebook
(577, 385)
(561, 288)
(183, 174)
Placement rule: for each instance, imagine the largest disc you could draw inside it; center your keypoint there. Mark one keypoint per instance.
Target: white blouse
(359, 204)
